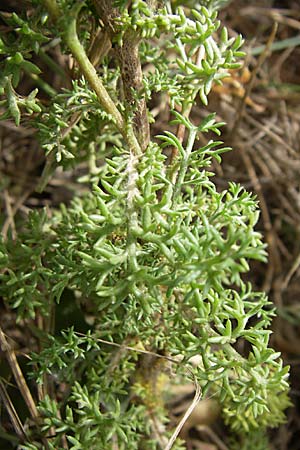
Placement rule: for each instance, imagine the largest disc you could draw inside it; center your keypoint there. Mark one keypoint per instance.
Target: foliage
(153, 251)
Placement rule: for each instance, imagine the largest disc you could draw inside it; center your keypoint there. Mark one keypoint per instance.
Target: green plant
(153, 252)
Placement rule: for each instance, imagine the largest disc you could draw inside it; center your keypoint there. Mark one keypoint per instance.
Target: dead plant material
(14, 418)
(185, 418)
(18, 375)
(250, 84)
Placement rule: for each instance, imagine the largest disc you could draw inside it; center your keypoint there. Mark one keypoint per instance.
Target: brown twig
(188, 412)
(99, 48)
(11, 212)
(277, 15)
(274, 136)
(10, 217)
(213, 436)
(127, 54)
(291, 272)
(14, 418)
(18, 375)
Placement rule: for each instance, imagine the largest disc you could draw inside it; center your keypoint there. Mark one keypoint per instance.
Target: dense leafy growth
(153, 252)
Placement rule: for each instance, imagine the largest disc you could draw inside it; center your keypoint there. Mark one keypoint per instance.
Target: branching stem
(89, 71)
(126, 129)
(184, 163)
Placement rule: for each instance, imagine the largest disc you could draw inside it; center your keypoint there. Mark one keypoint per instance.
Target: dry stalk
(18, 375)
(188, 412)
(14, 418)
(9, 222)
(11, 212)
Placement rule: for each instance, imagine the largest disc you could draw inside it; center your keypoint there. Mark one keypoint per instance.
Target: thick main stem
(127, 53)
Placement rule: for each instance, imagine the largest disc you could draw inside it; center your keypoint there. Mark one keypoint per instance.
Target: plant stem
(49, 90)
(132, 218)
(53, 9)
(89, 71)
(18, 375)
(184, 163)
(56, 68)
(125, 128)
(128, 58)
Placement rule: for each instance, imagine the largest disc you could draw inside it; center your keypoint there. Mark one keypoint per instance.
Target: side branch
(89, 71)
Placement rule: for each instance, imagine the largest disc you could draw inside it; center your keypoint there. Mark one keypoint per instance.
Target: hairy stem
(132, 218)
(127, 54)
(184, 163)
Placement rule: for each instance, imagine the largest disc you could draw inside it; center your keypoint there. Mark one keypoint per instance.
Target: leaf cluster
(18, 47)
